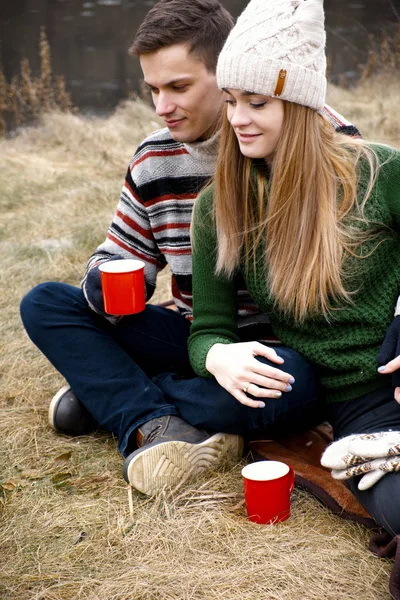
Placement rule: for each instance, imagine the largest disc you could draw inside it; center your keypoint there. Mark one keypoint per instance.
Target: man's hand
(92, 287)
(389, 355)
(236, 368)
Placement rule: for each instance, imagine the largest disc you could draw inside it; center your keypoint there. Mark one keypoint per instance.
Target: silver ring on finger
(246, 387)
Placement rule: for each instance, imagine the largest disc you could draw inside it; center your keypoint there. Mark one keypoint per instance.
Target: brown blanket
(303, 453)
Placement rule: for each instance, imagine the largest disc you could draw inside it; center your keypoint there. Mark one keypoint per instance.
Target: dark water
(90, 39)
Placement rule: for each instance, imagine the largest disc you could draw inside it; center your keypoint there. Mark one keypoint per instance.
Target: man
(131, 376)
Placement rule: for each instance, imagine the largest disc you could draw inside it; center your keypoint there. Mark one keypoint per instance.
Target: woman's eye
(258, 104)
(231, 102)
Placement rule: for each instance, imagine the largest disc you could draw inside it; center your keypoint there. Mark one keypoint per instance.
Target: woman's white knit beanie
(277, 48)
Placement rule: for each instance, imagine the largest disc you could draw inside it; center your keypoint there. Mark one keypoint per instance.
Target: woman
(311, 220)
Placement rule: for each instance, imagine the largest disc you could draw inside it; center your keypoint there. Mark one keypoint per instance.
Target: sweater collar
(259, 166)
(205, 150)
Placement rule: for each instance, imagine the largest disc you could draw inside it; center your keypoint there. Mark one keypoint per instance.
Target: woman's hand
(236, 369)
(389, 356)
(393, 366)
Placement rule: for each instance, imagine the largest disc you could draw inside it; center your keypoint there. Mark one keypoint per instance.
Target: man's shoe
(170, 449)
(68, 415)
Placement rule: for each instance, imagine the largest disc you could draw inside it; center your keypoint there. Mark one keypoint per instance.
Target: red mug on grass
(267, 488)
(122, 282)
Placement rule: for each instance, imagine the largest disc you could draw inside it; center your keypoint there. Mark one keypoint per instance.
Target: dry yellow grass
(372, 106)
(68, 530)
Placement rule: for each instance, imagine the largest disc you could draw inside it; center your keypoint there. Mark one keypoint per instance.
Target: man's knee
(38, 298)
(44, 300)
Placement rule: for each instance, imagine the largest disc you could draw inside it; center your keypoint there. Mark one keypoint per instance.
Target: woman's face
(257, 121)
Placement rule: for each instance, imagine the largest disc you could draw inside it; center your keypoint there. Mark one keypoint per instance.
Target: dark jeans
(376, 411)
(139, 369)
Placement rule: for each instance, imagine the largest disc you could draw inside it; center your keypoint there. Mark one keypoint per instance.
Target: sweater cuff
(198, 354)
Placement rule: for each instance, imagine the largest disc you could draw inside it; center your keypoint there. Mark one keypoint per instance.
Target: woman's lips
(247, 137)
(173, 123)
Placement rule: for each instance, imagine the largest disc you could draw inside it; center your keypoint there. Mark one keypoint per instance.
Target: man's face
(184, 93)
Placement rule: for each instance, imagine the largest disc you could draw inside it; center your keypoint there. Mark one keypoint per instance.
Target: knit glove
(369, 454)
(391, 345)
(92, 287)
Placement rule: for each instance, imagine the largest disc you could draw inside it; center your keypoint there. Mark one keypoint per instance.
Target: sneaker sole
(54, 404)
(166, 464)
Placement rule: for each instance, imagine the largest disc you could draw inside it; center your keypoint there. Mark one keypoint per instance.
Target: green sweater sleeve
(214, 296)
(388, 183)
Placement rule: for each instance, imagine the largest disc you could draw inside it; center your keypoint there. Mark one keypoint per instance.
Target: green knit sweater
(343, 351)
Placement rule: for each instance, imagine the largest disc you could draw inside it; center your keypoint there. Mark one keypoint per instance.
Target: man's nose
(163, 104)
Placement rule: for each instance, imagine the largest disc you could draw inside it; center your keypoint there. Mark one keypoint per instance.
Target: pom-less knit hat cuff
(277, 48)
(247, 72)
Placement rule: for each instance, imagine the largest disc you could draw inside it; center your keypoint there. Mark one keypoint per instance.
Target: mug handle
(291, 479)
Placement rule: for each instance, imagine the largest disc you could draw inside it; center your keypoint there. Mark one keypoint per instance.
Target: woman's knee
(299, 368)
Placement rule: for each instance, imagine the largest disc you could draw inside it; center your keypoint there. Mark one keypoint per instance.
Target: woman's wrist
(211, 357)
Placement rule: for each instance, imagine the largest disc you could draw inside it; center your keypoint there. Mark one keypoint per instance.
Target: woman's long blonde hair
(312, 187)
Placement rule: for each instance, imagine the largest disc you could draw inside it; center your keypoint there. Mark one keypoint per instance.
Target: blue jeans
(139, 369)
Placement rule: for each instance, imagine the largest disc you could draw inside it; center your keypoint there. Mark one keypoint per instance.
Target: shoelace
(153, 433)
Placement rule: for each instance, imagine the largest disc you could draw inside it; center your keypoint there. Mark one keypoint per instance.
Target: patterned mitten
(373, 454)
(372, 470)
(92, 288)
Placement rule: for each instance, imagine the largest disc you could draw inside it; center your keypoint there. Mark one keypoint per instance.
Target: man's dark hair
(203, 24)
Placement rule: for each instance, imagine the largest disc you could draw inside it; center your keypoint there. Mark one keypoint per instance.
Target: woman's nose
(240, 117)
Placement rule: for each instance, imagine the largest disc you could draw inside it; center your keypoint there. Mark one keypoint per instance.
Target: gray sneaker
(68, 415)
(170, 449)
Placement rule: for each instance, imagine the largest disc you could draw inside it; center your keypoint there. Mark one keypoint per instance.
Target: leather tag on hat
(280, 84)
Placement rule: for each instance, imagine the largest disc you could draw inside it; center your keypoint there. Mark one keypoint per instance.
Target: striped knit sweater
(152, 220)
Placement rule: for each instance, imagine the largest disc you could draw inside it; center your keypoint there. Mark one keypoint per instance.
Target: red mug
(122, 282)
(267, 488)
